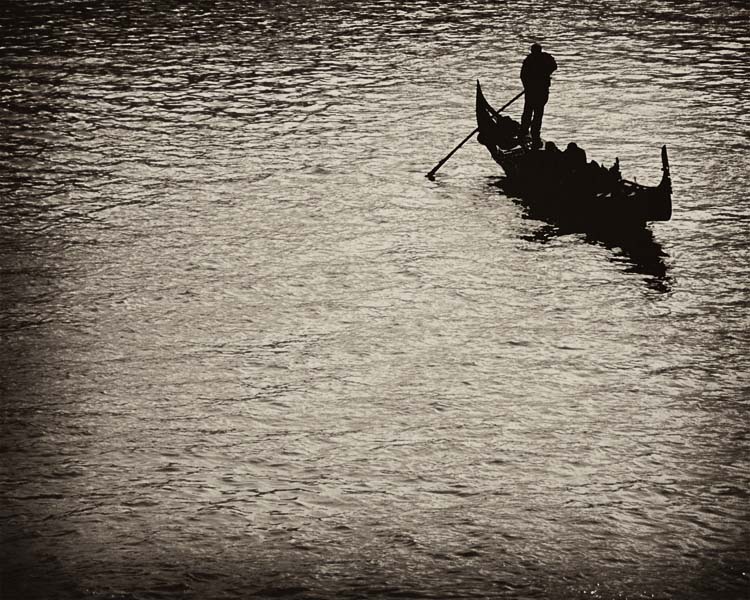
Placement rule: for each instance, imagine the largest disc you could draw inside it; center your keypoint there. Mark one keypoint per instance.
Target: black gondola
(562, 186)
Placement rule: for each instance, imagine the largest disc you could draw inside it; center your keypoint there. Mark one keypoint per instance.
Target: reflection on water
(248, 350)
(637, 250)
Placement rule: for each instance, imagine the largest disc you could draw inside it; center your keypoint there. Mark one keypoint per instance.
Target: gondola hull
(564, 187)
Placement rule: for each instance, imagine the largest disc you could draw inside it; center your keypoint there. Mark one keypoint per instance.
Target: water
(250, 351)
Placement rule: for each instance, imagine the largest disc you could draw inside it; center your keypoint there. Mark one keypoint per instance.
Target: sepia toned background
(248, 350)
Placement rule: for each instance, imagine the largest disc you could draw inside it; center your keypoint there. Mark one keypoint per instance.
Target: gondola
(562, 186)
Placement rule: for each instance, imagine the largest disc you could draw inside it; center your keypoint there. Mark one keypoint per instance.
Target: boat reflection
(635, 250)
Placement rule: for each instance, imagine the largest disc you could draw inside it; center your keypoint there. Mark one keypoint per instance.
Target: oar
(431, 174)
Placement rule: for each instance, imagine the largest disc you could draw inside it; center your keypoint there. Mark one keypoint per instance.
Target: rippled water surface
(248, 350)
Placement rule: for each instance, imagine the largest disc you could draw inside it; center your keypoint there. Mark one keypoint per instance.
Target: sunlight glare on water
(250, 351)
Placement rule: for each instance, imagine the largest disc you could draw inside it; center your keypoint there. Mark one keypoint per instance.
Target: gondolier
(535, 75)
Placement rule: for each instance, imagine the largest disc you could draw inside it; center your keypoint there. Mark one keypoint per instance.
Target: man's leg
(526, 117)
(536, 122)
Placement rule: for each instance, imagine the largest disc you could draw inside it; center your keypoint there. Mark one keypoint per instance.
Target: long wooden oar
(431, 174)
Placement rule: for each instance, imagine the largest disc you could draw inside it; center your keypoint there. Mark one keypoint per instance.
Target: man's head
(535, 48)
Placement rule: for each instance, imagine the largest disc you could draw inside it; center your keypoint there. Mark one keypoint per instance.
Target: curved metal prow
(666, 179)
(663, 198)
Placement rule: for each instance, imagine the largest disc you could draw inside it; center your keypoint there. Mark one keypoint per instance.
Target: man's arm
(524, 71)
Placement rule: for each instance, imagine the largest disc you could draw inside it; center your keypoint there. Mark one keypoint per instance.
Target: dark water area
(250, 351)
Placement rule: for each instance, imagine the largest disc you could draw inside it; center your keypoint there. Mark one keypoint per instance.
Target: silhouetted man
(535, 75)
